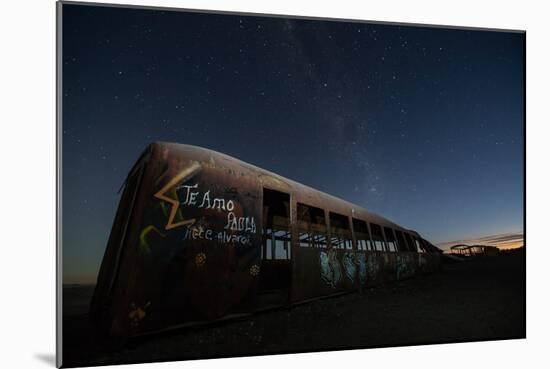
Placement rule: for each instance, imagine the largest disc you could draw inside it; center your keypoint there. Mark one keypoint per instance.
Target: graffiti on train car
(331, 272)
(369, 267)
(348, 260)
(363, 268)
(404, 267)
(234, 223)
(373, 267)
(198, 232)
(169, 194)
(144, 246)
(184, 197)
(362, 265)
(137, 313)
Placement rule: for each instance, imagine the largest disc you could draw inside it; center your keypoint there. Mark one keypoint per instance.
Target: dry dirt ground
(482, 299)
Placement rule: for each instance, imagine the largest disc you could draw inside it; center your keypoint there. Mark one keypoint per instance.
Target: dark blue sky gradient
(421, 125)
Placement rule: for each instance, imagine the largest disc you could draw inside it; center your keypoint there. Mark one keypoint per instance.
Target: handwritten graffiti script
(234, 223)
(178, 193)
(200, 233)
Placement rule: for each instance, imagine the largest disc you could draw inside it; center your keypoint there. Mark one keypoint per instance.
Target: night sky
(423, 126)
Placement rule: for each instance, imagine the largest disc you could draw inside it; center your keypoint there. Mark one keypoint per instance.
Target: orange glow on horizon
(504, 241)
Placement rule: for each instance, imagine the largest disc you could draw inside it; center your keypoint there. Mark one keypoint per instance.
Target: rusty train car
(200, 236)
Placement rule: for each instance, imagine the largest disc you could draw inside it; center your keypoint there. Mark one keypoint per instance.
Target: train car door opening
(276, 251)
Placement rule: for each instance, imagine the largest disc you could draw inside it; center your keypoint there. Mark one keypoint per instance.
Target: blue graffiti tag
(372, 267)
(331, 272)
(404, 269)
(362, 262)
(349, 266)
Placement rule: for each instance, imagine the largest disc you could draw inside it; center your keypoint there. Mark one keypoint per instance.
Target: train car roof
(274, 181)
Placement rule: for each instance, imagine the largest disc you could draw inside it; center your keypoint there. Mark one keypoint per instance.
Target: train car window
(401, 244)
(312, 226)
(321, 241)
(419, 247)
(424, 245)
(340, 231)
(377, 237)
(409, 239)
(428, 247)
(305, 239)
(362, 235)
(392, 247)
(277, 237)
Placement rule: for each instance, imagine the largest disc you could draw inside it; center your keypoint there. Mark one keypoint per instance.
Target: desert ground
(475, 300)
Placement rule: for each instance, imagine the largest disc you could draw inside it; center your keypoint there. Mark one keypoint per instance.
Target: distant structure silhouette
(473, 250)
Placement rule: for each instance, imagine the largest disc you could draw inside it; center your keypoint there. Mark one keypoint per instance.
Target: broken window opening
(362, 236)
(311, 226)
(401, 244)
(390, 239)
(378, 237)
(340, 232)
(276, 230)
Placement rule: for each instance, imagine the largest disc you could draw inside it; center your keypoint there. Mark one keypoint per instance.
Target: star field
(421, 125)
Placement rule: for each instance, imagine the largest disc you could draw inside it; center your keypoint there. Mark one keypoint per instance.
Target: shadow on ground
(46, 358)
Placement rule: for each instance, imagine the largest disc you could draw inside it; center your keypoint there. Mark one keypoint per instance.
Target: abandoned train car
(200, 236)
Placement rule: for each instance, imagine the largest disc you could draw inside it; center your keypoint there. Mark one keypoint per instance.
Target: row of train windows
(313, 230)
(277, 244)
(312, 226)
(318, 241)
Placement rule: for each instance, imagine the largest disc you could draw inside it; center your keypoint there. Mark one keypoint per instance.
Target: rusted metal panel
(186, 242)
(191, 253)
